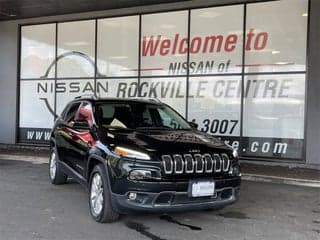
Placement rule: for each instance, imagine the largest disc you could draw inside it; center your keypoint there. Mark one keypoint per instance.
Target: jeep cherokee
(140, 155)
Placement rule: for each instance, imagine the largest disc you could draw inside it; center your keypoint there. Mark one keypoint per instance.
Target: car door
(63, 134)
(82, 139)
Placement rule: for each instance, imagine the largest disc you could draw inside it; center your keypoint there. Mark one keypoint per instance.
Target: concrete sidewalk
(257, 171)
(284, 174)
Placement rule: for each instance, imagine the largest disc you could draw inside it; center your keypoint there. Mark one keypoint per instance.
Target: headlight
(142, 174)
(235, 153)
(131, 153)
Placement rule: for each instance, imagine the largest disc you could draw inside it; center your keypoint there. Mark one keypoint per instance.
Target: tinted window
(139, 115)
(70, 114)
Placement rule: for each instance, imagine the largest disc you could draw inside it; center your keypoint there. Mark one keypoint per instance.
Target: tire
(99, 196)
(57, 177)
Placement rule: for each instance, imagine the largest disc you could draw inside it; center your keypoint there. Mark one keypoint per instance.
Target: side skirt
(73, 174)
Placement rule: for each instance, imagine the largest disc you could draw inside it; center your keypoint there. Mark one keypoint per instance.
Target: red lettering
(164, 48)
(206, 44)
(250, 35)
(195, 45)
(148, 46)
(210, 41)
(230, 43)
(175, 44)
(259, 45)
(183, 49)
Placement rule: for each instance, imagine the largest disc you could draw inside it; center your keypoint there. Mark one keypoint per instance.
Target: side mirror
(194, 125)
(81, 124)
(83, 119)
(85, 114)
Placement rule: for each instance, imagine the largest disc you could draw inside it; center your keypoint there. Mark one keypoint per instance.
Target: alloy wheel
(53, 166)
(96, 194)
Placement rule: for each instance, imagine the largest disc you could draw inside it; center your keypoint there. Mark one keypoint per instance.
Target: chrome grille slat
(167, 164)
(178, 163)
(195, 163)
(198, 162)
(217, 162)
(189, 161)
(225, 162)
(208, 163)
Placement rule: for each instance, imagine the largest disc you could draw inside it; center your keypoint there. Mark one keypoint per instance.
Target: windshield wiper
(109, 127)
(183, 129)
(154, 128)
(164, 128)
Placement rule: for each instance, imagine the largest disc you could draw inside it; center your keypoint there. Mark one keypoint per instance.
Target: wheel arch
(52, 142)
(93, 160)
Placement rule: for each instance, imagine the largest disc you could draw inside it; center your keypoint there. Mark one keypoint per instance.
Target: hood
(162, 142)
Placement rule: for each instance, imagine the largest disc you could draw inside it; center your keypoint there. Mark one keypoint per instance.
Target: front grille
(196, 163)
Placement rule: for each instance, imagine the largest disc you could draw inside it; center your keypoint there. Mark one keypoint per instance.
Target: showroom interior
(244, 71)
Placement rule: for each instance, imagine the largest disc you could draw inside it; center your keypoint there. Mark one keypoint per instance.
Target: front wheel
(57, 177)
(99, 196)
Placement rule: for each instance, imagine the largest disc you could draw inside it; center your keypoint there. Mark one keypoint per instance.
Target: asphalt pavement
(32, 208)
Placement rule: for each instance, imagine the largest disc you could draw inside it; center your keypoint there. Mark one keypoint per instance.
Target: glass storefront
(239, 71)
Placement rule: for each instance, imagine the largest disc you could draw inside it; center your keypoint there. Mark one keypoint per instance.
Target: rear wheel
(99, 196)
(57, 177)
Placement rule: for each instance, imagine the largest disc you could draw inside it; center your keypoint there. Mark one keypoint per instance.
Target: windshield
(138, 116)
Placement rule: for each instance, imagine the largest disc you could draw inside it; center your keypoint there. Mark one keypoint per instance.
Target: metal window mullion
(95, 56)
(55, 71)
(244, 29)
(17, 133)
(139, 55)
(188, 62)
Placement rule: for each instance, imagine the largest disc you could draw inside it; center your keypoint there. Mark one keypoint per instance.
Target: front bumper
(227, 192)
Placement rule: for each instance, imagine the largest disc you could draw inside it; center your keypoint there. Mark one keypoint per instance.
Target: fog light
(142, 174)
(235, 170)
(132, 196)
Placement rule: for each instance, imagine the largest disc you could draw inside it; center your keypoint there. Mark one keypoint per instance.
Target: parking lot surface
(32, 208)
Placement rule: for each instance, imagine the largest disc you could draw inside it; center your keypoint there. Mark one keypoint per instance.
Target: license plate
(202, 188)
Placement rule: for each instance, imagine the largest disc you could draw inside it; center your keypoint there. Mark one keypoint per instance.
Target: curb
(246, 177)
(32, 159)
(281, 180)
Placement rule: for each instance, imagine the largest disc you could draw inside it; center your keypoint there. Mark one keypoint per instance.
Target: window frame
(189, 9)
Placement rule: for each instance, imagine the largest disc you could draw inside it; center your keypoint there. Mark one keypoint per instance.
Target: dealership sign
(215, 47)
(211, 44)
(223, 122)
(247, 89)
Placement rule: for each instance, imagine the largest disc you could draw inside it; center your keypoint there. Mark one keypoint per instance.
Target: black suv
(140, 155)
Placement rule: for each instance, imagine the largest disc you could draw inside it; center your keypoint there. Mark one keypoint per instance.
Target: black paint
(139, 227)
(171, 220)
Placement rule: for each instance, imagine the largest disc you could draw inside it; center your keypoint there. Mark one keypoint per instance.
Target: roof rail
(148, 99)
(92, 96)
(155, 100)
